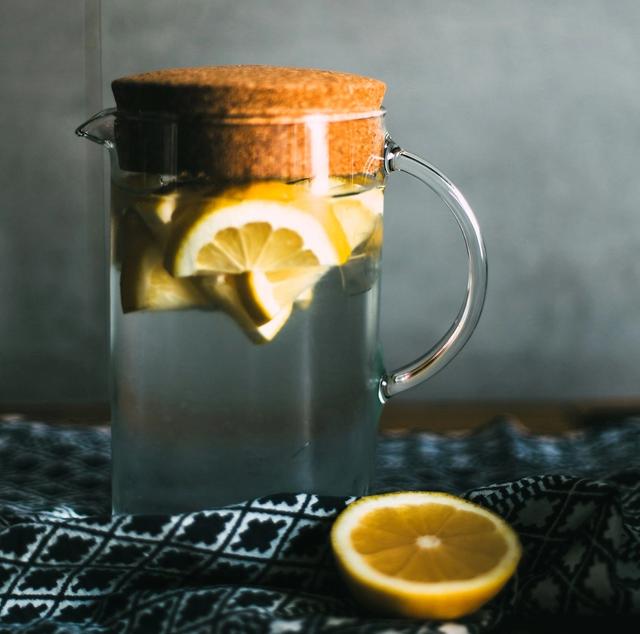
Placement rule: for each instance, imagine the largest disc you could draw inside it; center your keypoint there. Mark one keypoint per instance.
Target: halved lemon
(262, 227)
(423, 554)
(144, 282)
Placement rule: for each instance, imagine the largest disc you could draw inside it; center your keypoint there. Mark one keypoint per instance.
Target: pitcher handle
(425, 366)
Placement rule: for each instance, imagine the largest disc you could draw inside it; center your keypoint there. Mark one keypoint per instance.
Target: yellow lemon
(357, 203)
(265, 294)
(144, 282)
(276, 238)
(359, 215)
(423, 554)
(158, 203)
(255, 250)
(262, 227)
(304, 300)
(222, 291)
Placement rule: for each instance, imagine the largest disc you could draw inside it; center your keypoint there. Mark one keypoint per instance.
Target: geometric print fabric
(265, 565)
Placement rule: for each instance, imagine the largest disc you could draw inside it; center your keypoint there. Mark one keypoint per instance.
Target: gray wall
(52, 305)
(532, 108)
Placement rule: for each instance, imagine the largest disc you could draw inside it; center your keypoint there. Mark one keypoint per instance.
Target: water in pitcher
(262, 301)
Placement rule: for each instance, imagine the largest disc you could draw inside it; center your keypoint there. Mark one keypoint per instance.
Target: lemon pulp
(424, 554)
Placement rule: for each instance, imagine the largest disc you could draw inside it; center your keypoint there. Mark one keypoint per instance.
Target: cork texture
(247, 90)
(238, 123)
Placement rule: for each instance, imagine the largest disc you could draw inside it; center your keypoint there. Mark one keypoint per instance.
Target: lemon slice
(263, 227)
(222, 291)
(157, 200)
(156, 210)
(423, 554)
(264, 295)
(144, 282)
(153, 199)
(357, 205)
(304, 300)
(358, 215)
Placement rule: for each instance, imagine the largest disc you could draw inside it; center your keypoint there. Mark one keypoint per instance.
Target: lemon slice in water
(275, 238)
(265, 294)
(261, 228)
(359, 214)
(144, 282)
(222, 291)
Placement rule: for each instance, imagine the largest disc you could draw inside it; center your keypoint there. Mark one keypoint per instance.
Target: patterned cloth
(265, 565)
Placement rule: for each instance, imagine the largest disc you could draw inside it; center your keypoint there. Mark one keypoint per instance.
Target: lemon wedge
(264, 295)
(222, 291)
(304, 300)
(154, 200)
(156, 210)
(144, 282)
(359, 215)
(357, 203)
(423, 554)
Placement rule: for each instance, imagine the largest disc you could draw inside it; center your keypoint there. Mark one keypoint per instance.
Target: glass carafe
(245, 268)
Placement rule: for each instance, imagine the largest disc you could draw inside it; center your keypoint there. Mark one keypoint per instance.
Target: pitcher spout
(99, 128)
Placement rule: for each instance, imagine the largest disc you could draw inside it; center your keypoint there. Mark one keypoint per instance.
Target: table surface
(543, 417)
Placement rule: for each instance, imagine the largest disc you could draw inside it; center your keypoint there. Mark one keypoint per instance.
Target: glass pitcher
(245, 261)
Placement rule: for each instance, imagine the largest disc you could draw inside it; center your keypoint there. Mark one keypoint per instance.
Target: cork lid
(226, 91)
(238, 123)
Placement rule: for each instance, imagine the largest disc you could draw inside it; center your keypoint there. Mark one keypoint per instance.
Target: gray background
(531, 107)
